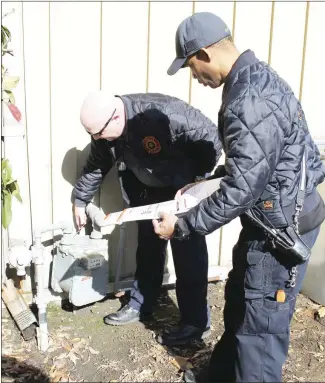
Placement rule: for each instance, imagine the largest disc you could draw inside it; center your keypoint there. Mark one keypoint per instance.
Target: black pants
(255, 343)
(190, 260)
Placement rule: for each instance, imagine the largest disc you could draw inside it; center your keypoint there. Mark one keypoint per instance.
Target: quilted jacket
(175, 141)
(264, 133)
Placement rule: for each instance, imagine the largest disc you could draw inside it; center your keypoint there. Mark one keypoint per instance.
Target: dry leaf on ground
(62, 335)
(59, 364)
(68, 347)
(73, 357)
(144, 373)
(58, 375)
(51, 349)
(86, 360)
(61, 356)
(92, 351)
(80, 346)
(181, 363)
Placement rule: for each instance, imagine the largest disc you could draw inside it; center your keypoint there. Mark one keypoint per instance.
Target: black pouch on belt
(287, 241)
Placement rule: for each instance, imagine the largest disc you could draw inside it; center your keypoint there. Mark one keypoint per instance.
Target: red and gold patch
(268, 205)
(151, 145)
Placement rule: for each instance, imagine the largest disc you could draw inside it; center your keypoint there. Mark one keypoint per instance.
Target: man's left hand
(165, 227)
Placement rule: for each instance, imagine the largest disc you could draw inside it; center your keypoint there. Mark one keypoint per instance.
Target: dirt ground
(84, 349)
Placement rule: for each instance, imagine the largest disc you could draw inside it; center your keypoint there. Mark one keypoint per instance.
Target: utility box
(80, 269)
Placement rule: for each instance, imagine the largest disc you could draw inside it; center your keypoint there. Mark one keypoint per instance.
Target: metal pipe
(20, 258)
(42, 331)
(97, 217)
(66, 227)
(38, 259)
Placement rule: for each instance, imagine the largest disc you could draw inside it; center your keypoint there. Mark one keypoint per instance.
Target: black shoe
(183, 335)
(125, 315)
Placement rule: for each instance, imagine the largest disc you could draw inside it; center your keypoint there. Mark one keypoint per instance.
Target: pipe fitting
(96, 233)
(20, 258)
(66, 227)
(38, 255)
(38, 258)
(97, 217)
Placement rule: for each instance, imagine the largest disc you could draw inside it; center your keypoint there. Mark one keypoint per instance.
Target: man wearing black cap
(271, 172)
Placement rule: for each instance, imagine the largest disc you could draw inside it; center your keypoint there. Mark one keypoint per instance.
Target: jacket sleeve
(253, 146)
(99, 162)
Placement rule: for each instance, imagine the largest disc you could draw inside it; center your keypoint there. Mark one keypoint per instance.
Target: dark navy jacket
(264, 133)
(175, 141)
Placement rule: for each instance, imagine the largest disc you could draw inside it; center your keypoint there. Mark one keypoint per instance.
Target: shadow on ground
(13, 370)
(166, 315)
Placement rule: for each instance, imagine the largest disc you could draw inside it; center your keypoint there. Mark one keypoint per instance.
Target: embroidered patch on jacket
(268, 205)
(151, 145)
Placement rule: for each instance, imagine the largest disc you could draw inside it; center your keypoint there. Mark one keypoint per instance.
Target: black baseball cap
(197, 31)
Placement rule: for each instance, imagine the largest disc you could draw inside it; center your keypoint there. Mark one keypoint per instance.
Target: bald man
(164, 144)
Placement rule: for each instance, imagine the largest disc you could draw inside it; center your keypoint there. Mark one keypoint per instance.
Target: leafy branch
(9, 186)
(8, 82)
(9, 189)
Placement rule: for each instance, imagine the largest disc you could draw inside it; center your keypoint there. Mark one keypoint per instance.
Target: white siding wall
(63, 50)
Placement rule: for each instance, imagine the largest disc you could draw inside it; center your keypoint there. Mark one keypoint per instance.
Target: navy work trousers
(190, 260)
(255, 343)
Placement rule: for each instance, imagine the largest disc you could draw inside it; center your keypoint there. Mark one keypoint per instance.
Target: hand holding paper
(192, 195)
(164, 228)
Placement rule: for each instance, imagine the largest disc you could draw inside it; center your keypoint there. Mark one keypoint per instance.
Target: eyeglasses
(104, 127)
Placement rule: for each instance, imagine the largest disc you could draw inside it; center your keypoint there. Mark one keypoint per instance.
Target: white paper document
(189, 199)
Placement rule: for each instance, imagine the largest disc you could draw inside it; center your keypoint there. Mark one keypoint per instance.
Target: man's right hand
(80, 216)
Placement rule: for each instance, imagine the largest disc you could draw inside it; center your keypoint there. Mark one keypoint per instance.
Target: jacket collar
(247, 58)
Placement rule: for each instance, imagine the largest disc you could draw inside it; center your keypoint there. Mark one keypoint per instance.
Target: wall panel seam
(271, 33)
(26, 130)
(50, 112)
(234, 20)
(148, 46)
(100, 71)
(304, 51)
(191, 79)
(100, 46)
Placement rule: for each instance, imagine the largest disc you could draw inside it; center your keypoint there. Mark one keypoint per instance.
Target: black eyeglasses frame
(104, 127)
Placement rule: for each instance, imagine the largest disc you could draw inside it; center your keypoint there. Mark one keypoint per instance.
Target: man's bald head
(97, 109)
